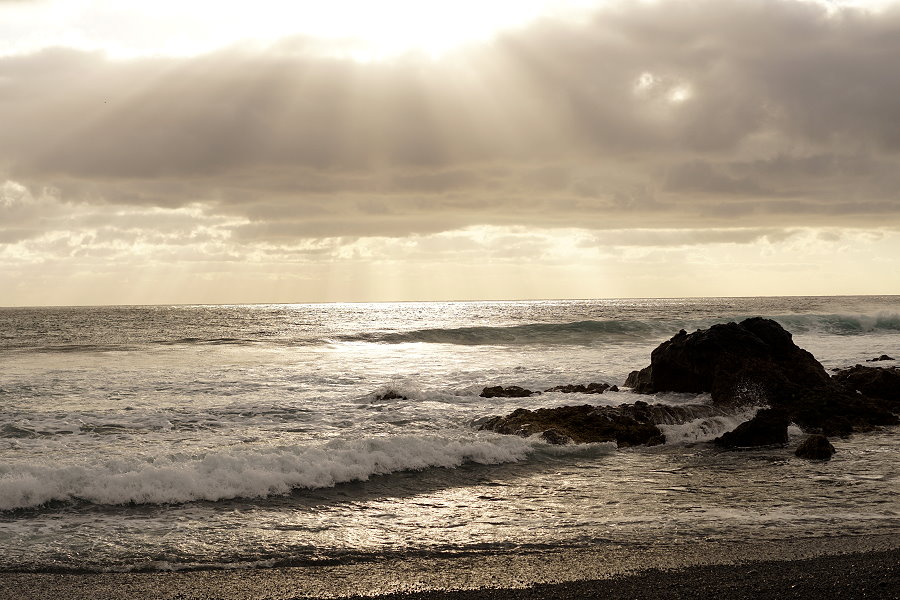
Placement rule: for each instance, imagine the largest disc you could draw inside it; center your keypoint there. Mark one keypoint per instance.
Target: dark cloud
(670, 113)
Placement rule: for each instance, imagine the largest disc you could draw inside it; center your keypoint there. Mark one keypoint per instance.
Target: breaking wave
(840, 324)
(240, 473)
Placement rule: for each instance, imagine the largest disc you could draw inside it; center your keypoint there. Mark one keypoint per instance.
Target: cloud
(757, 114)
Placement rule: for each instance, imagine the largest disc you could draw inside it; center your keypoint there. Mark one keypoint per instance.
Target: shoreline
(796, 568)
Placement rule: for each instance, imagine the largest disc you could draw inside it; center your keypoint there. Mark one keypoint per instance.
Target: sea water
(178, 437)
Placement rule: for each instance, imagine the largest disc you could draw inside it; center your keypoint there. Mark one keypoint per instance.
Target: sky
(189, 152)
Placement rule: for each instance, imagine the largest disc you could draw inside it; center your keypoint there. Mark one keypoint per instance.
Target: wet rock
(875, 382)
(815, 447)
(751, 362)
(390, 395)
(555, 437)
(767, 428)
(591, 388)
(756, 362)
(626, 425)
(880, 358)
(510, 391)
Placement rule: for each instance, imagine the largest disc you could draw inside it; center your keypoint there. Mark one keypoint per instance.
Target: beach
(851, 567)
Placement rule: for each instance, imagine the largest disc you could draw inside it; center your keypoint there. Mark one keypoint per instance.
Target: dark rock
(767, 428)
(815, 447)
(591, 388)
(833, 410)
(880, 358)
(757, 362)
(627, 425)
(555, 437)
(875, 382)
(511, 391)
(390, 395)
(614, 388)
(752, 362)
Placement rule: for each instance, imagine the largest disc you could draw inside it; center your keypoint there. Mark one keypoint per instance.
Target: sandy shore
(852, 567)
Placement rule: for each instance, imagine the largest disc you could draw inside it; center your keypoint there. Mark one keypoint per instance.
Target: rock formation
(627, 425)
(510, 391)
(880, 358)
(751, 363)
(767, 428)
(591, 388)
(875, 382)
(756, 362)
(815, 447)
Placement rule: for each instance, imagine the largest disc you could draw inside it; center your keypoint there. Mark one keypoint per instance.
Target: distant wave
(588, 332)
(579, 332)
(841, 324)
(244, 473)
(585, 332)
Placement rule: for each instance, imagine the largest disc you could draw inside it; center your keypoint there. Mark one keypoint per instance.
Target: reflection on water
(668, 494)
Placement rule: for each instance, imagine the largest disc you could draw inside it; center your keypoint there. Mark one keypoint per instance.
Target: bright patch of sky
(359, 28)
(176, 28)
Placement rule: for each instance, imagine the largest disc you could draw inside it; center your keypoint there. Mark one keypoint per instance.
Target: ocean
(153, 438)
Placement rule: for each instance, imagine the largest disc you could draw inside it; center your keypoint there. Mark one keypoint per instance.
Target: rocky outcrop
(591, 388)
(875, 382)
(626, 425)
(756, 362)
(767, 428)
(751, 362)
(510, 391)
(815, 447)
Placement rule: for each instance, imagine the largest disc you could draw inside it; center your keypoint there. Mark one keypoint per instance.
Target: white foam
(248, 473)
(705, 429)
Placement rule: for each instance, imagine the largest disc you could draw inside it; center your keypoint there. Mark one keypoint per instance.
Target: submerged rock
(627, 425)
(880, 358)
(390, 395)
(815, 447)
(510, 391)
(767, 428)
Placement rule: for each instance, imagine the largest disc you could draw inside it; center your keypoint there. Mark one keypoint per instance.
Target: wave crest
(246, 473)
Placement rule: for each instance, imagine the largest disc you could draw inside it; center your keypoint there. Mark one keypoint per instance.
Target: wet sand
(853, 567)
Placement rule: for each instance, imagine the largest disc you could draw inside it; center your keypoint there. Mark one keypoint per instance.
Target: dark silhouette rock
(875, 382)
(390, 395)
(752, 362)
(757, 362)
(555, 437)
(511, 391)
(815, 447)
(627, 425)
(880, 358)
(767, 428)
(591, 388)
